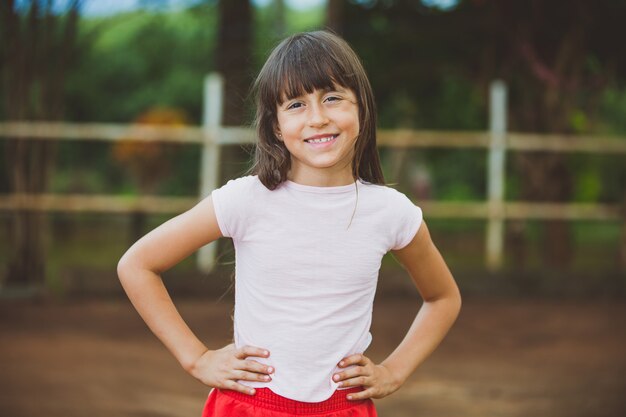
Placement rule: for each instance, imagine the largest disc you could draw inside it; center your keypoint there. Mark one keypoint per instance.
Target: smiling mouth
(322, 139)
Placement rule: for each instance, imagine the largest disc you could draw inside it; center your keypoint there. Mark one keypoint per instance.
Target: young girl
(310, 228)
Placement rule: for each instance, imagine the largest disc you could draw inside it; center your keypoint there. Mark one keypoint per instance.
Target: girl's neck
(321, 178)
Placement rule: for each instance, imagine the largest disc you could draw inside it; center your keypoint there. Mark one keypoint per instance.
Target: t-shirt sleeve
(406, 221)
(230, 202)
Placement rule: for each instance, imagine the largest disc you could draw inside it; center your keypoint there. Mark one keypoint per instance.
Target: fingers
(360, 366)
(254, 366)
(251, 370)
(355, 377)
(351, 373)
(357, 374)
(232, 378)
(251, 376)
(248, 351)
(356, 359)
(235, 386)
(377, 381)
(360, 374)
(227, 367)
(362, 395)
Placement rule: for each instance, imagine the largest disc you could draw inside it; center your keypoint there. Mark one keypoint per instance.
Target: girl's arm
(139, 272)
(442, 303)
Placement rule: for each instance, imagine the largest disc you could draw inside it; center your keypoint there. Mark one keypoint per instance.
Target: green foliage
(423, 74)
(186, 168)
(578, 121)
(270, 29)
(612, 111)
(85, 168)
(140, 60)
(458, 175)
(589, 185)
(601, 178)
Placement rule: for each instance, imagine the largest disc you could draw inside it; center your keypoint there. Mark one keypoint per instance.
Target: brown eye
(294, 106)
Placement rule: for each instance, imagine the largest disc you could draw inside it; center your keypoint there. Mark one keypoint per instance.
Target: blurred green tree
(138, 60)
(557, 56)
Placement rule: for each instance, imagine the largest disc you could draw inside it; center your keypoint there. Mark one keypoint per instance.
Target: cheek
(287, 126)
(351, 122)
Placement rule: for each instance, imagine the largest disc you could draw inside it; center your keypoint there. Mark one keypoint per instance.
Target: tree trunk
(546, 178)
(35, 58)
(280, 28)
(621, 256)
(233, 57)
(335, 16)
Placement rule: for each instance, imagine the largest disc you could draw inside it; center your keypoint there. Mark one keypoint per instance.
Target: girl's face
(320, 130)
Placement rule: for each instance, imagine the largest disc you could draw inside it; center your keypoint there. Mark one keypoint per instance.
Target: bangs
(305, 67)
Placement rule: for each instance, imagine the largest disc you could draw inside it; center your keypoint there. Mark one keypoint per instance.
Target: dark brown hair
(299, 65)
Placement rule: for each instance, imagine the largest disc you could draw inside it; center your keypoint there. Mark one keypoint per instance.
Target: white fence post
(209, 169)
(496, 175)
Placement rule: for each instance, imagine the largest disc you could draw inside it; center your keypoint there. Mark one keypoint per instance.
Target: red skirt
(226, 403)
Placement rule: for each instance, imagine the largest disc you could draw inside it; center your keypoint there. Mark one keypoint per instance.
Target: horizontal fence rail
(211, 136)
(435, 209)
(116, 132)
(400, 138)
(97, 203)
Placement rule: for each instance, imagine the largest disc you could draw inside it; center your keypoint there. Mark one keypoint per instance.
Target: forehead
(297, 85)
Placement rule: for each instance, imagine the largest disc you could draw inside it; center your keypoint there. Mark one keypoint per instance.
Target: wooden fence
(211, 135)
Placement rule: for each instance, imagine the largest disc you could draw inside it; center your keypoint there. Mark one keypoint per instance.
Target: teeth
(321, 140)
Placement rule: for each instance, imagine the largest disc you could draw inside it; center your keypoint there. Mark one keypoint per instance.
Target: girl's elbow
(456, 301)
(451, 298)
(124, 267)
(132, 270)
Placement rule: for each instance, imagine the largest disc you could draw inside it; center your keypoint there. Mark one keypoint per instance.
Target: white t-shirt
(306, 269)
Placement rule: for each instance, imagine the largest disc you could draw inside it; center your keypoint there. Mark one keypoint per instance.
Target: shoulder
(243, 182)
(233, 203)
(394, 211)
(237, 191)
(242, 186)
(386, 195)
(393, 204)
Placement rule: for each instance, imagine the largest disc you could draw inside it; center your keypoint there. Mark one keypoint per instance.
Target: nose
(317, 115)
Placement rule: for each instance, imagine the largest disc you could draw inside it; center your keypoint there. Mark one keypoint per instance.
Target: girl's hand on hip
(377, 380)
(224, 367)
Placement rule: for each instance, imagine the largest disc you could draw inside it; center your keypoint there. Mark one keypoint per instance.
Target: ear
(276, 129)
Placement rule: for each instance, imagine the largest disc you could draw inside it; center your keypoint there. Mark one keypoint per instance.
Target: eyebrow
(336, 87)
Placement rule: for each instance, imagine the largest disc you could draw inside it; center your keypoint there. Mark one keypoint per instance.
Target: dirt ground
(504, 357)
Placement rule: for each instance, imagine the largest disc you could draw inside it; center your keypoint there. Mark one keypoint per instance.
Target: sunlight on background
(103, 8)
(110, 7)
(441, 4)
